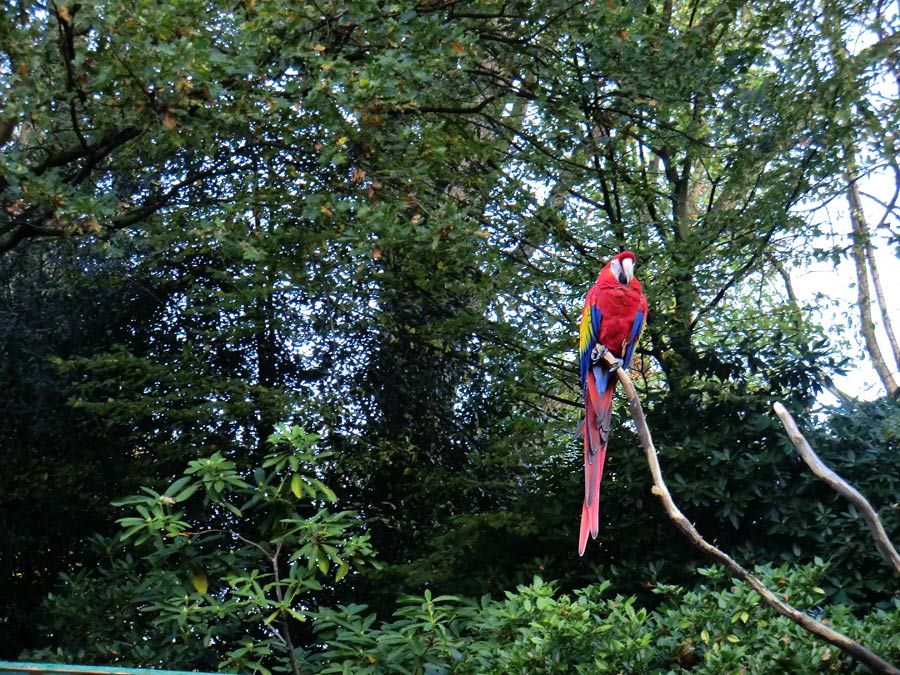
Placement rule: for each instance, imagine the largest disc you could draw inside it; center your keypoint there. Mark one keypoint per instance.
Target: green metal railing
(67, 669)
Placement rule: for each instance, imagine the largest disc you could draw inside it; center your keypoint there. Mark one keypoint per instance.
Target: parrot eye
(616, 268)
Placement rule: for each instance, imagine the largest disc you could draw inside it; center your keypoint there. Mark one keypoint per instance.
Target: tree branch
(285, 633)
(842, 642)
(840, 486)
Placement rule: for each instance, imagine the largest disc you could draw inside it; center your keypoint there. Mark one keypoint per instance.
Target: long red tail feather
(597, 415)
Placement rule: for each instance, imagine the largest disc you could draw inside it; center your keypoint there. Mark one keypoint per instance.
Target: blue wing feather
(636, 329)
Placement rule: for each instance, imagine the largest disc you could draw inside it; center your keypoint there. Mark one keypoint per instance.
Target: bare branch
(840, 486)
(839, 640)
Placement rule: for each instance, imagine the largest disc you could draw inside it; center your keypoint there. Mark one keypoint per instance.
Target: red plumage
(613, 317)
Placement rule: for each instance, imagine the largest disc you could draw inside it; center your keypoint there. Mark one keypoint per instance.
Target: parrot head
(622, 267)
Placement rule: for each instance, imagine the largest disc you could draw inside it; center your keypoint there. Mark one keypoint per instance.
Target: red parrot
(614, 314)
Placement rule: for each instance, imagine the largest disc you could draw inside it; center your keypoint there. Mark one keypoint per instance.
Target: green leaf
(324, 489)
(199, 582)
(297, 486)
(231, 507)
(176, 486)
(186, 493)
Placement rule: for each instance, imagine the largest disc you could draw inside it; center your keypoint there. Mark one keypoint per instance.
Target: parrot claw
(601, 353)
(598, 353)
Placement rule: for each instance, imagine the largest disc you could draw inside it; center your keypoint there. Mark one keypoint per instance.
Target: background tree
(56, 471)
(865, 114)
(378, 222)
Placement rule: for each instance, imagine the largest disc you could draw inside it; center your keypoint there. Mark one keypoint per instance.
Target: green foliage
(860, 443)
(380, 220)
(217, 571)
(719, 626)
(731, 629)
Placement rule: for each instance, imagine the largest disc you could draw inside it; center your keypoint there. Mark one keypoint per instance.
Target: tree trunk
(862, 251)
(863, 258)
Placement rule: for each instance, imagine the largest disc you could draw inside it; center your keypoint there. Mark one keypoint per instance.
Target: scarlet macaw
(614, 314)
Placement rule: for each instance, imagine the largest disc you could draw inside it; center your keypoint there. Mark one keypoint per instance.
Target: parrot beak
(627, 272)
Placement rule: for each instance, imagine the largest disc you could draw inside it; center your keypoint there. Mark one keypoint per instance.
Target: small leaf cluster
(529, 631)
(218, 570)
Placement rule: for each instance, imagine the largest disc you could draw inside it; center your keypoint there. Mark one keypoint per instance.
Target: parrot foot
(601, 353)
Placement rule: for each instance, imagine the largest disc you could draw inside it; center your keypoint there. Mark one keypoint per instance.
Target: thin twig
(285, 633)
(862, 654)
(840, 486)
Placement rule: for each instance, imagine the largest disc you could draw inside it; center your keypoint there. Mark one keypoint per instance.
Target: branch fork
(849, 646)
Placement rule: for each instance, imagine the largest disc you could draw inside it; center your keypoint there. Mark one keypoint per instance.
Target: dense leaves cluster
(720, 627)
